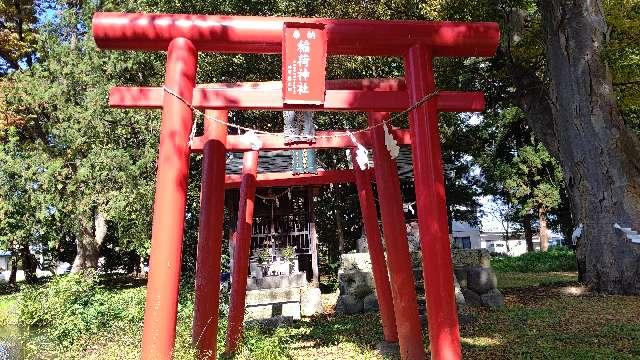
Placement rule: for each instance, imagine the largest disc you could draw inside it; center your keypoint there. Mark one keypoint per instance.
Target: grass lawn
(548, 316)
(511, 280)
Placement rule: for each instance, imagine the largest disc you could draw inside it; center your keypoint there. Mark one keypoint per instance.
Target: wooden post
(207, 290)
(395, 238)
(241, 251)
(313, 238)
(444, 334)
(161, 306)
(376, 251)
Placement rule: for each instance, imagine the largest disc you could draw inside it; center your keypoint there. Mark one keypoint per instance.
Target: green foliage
(76, 306)
(289, 252)
(263, 343)
(264, 255)
(556, 259)
(18, 33)
(8, 307)
(518, 170)
(623, 56)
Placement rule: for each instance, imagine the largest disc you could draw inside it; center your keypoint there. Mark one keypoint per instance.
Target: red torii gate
(183, 36)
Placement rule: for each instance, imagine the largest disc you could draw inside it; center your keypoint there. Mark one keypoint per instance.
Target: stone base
(349, 304)
(296, 280)
(310, 301)
(388, 349)
(263, 304)
(288, 303)
(474, 281)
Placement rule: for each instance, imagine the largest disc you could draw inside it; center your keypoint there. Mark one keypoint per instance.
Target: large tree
(553, 63)
(18, 34)
(599, 154)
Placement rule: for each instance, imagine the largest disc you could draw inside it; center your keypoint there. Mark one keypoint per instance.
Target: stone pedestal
(474, 280)
(264, 304)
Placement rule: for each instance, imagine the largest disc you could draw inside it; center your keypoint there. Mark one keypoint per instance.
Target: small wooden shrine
(283, 239)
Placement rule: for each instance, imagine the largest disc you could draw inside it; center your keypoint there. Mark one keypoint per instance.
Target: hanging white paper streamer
(253, 140)
(390, 143)
(350, 163)
(362, 154)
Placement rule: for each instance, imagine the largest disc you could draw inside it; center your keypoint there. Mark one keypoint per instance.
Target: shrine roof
(280, 161)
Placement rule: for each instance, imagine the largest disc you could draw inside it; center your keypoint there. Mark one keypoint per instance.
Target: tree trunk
(29, 264)
(528, 232)
(14, 269)
(543, 229)
(88, 244)
(339, 232)
(599, 154)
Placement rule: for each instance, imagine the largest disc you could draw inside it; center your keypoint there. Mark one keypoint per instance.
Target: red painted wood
(263, 98)
(169, 205)
(323, 177)
(304, 62)
(376, 251)
(207, 290)
(395, 235)
(246, 34)
(373, 84)
(242, 247)
(237, 143)
(444, 334)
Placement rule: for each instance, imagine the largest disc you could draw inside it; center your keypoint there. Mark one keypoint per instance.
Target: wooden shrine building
(284, 216)
(283, 221)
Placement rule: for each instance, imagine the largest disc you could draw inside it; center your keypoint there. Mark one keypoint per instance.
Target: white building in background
(465, 236)
(495, 242)
(5, 259)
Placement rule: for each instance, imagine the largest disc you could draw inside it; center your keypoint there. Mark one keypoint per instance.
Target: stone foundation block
(348, 304)
(310, 301)
(493, 299)
(481, 280)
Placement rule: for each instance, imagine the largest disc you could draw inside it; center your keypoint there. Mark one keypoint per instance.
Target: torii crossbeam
(183, 36)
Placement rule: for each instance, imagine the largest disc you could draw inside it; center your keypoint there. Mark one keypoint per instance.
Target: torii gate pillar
(209, 254)
(169, 205)
(437, 267)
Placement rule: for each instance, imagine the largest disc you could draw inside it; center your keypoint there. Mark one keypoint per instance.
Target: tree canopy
(73, 169)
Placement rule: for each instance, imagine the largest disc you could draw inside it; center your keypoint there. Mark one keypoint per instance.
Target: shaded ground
(548, 316)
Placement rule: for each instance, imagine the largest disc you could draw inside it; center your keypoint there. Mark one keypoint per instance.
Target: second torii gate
(184, 36)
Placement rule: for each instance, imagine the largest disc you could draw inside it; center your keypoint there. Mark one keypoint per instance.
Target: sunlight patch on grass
(481, 341)
(8, 309)
(573, 290)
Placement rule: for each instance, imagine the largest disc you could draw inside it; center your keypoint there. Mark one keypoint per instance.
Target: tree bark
(599, 154)
(14, 269)
(29, 264)
(543, 229)
(528, 232)
(88, 243)
(339, 232)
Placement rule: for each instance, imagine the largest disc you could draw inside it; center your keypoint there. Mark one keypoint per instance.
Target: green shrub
(556, 259)
(75, 306)
(263, 343)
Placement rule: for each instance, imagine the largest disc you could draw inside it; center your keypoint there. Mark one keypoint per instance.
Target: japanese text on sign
(304, 58)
